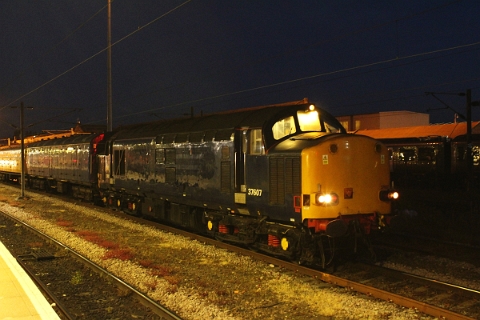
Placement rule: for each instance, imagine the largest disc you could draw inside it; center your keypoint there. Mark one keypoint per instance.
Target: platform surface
(20, 298)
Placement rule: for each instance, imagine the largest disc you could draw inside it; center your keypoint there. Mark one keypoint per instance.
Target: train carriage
(10, 163)
(422, 161)
(65, 165)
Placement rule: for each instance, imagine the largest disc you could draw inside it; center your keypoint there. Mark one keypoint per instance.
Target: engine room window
(309, 121)
(256, 142)
(284, 128)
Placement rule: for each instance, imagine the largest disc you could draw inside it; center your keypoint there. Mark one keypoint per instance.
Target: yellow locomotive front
(345, 178)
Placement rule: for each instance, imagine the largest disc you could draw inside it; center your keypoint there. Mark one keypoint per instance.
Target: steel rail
(46, 291)
(156, 308)
(325, 277)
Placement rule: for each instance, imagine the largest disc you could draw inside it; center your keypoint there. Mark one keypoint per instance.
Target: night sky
(169, 56)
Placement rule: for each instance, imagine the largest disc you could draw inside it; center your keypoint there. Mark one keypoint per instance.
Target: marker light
(388, 195)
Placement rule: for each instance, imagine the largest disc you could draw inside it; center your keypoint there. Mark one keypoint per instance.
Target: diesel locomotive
(285, 179)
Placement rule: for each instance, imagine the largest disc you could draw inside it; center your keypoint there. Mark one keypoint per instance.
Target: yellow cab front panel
(343, 176)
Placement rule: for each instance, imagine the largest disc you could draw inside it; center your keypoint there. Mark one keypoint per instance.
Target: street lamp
(22, 152)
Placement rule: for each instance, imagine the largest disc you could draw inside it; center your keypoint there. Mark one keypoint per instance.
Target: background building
(383, 120)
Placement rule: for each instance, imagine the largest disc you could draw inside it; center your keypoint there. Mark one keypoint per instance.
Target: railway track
(430, 296)
(429, 245)
(426, 295)
(368, 281)
(76, 287)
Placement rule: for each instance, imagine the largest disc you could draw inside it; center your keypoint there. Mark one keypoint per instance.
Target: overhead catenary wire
(306, 78)
(96, 54)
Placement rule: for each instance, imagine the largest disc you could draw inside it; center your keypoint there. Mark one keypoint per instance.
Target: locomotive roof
(250, 117)
(450, 130)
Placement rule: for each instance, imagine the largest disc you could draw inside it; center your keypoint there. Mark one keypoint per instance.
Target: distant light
(311, 107)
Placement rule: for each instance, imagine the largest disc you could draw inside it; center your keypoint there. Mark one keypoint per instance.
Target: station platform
(20, 298)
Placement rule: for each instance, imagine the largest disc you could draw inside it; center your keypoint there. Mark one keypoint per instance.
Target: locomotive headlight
(325, 199)
(388, 195)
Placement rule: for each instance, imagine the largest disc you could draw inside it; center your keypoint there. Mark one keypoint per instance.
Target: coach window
(427, 154)
(160, 156)
(256, 142)
(407, 154)
(476, 155)
(170, 156)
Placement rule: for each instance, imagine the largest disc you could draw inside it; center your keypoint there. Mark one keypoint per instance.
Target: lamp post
(469, 106)
(22, 150)
(109, 66)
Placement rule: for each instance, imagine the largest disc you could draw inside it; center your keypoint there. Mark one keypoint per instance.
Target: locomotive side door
(239, 178)
(256, 173)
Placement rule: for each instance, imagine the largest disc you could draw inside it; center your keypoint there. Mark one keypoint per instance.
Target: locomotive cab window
(309, 121)
(284, 128)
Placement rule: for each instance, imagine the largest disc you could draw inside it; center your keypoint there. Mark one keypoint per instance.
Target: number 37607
(255, 192)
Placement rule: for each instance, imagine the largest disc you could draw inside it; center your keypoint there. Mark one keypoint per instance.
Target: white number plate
(255, 192)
